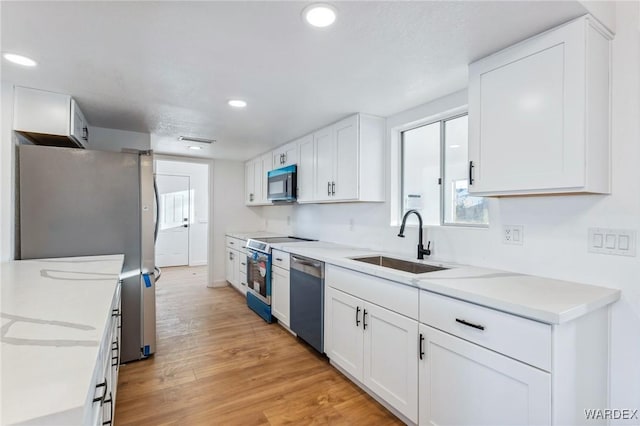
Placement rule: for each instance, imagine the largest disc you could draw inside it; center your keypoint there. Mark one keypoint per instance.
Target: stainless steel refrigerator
(76, 202)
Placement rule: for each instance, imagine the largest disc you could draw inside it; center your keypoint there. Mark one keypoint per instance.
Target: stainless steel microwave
(281, 184)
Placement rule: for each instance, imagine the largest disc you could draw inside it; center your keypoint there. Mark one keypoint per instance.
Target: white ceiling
(168, 68)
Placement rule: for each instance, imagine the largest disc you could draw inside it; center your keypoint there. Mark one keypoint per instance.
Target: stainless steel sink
(399, 264)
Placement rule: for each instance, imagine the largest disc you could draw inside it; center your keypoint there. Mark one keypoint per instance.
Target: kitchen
(554, 228)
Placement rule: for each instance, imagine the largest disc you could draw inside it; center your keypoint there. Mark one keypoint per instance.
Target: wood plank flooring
(218, 363)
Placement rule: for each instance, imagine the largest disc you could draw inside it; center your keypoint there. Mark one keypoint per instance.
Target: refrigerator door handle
(157, 273)
(157, 224)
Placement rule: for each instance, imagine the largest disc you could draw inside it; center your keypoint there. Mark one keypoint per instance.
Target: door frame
(188, 208)
(209, 163)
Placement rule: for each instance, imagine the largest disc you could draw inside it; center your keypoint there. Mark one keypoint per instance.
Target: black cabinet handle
(364, 319)
(470, 324)
(471, 172)
(328, 188)
(110, 401)
(85, 133)
(420, 346)
(333, 188)
(104, 394)
(278, 259)
(357, 316)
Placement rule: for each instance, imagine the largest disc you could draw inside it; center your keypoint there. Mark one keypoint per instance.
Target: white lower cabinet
(236, 263)
(343, 331)
(232, 269)
(391, 358)
(280, 295)
(462, 383)
(100, 405)
(377, 347)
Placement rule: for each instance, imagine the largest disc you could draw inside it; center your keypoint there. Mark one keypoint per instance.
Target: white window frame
(397, 209)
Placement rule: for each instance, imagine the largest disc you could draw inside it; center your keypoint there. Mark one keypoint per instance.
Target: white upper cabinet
(348, 161)
(255, 180)
(539, 114)
(48, 118)
(285, 155)
(339, 163)
(306, 169)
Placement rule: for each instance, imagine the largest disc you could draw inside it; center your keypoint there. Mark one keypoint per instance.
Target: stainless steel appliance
(81, 203)
(307, 300)
(259, 273)
(282, 184)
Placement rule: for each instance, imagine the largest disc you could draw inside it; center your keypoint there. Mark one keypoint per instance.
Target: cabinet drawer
(520, 338)
(235, 243)
(394, 296)
(280, 259)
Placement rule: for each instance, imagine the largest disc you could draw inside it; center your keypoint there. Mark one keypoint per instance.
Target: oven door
(259, 275)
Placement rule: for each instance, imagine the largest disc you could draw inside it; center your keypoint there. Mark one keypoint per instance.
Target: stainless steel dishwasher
(307, 300)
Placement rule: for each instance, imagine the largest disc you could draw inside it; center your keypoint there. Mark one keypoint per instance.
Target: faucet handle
(401, 235)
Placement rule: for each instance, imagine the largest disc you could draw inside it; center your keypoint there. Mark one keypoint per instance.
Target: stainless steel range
(259, 273)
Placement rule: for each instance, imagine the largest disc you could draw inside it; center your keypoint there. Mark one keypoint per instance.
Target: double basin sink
(399, 264)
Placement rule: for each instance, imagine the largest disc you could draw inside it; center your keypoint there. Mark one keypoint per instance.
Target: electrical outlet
(612, 241)
(513, 234)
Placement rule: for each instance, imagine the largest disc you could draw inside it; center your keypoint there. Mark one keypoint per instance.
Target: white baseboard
(201, 263)
(218, 284)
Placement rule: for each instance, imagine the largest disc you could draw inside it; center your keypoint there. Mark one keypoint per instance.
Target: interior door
(172, 247)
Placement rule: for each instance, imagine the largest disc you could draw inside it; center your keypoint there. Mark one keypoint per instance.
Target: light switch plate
(513, 234)
(620, 242)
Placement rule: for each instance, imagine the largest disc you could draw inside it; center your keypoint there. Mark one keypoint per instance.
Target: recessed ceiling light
(319, 15)
(20, 60)
(195, 147)
(237, 103)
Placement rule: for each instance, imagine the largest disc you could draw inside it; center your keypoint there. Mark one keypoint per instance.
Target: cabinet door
(462, 383)
(526, 115)
(391, 358)
(324, 154)
(345, 174)
(249, 182)
(285, 155)
(265, 167)
(290, 152)
(343, 331)
(280, 300)
(79, 127)
(306, 169)
(257, 181)
(230, 266)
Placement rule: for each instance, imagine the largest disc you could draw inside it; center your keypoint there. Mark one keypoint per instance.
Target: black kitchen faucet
(421, 249)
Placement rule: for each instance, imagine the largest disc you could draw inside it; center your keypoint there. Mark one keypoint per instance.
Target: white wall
(103, 139)
(7, 173)
(198, 174)
(229, 213)
(555, 227)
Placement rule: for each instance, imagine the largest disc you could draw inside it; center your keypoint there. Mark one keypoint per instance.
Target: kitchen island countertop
(54, 315)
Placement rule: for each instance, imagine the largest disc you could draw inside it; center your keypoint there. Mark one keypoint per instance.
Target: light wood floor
(218, 363)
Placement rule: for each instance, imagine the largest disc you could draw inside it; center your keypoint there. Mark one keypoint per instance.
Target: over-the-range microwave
(281, 184)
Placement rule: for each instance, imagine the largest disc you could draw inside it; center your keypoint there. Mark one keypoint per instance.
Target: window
(435, 173)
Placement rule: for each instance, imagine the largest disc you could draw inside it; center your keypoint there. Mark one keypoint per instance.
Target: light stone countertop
(54, 315)
(245, 235)
(542, 299)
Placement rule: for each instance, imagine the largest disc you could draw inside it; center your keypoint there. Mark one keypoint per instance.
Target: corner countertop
(54, 314)
(245, 235)
(542, 299)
